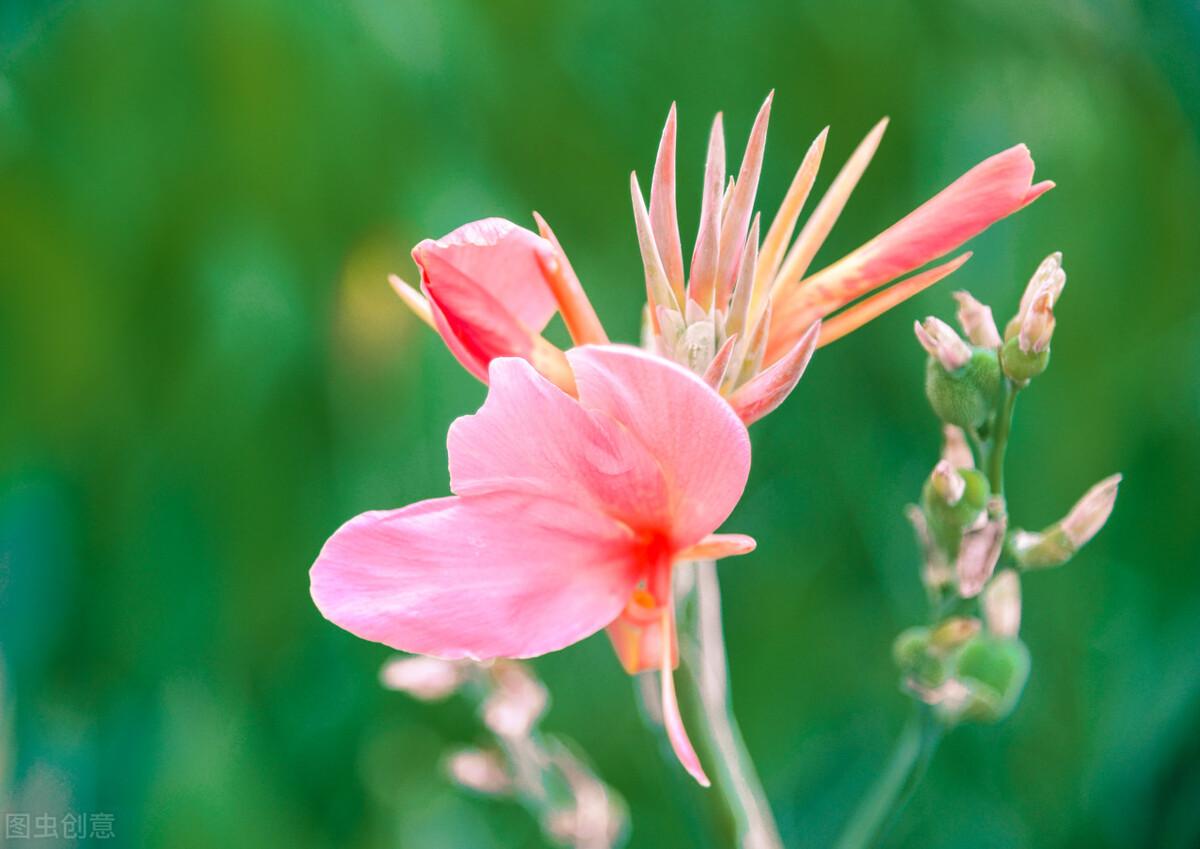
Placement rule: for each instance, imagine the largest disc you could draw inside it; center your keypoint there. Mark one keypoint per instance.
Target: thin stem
(896, 783)
(998, 442)
(704, 670)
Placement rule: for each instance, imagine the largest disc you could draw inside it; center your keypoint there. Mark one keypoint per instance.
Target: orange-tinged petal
(856, 316)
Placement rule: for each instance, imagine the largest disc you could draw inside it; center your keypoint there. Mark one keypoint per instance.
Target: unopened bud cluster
(969, 664)
(535, 769)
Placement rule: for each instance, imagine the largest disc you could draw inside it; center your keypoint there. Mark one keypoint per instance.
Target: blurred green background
(204, 373)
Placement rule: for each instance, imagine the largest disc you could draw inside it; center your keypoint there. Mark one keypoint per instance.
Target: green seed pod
(1020, 365)
(966, 396)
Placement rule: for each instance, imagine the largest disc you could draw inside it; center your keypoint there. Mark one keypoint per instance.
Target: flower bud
(941, 342)
(1056, 544)
(1048, 280)
(517, 702)
(947, 482)
(1002, 604)
(481, 771)
(936, 573)
(946, 519)
(426, 678)
(980, 551)
(953, 633)
(1090, 513)
(994, 671)
(967, 396)
(955, 449)
(976, 320)
(1026, 350)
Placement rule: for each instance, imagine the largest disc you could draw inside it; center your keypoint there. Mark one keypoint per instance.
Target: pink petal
(993, 189)
(499, 258)
(531, 437)
(672, 719)
(693, 434)
(770, 388)
(499, 575)
(716, 546)
(637, 635)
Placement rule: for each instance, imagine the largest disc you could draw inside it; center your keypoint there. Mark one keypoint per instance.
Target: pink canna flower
(568, 516)
(484, 288)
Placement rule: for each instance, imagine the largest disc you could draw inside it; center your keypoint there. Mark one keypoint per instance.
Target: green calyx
(968, 395)
(947, 521)
(994, 670)
(1021, 366)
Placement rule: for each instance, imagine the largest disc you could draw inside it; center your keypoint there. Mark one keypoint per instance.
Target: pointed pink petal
(716, 546)
(658, 288)
(702, 277)
(497, 257)
(672, 719)
(856, 316)
(715, 373)
(578, 314)
(498, 575)
(530, 437)
(992, 190)
(816, 229)
(663, 218)
(700, 445)
(741, 205)
(784, 224)
(770, 388)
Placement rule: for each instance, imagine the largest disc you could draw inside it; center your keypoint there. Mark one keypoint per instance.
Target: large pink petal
(531, 437)
(498, 575)
(501, 259)
(701, 446)
(993, 189)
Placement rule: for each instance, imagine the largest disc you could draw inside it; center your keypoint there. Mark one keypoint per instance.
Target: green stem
(704, 675)
(998, 442)
(896, 783)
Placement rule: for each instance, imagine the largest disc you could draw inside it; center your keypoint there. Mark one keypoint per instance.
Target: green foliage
(204, 373)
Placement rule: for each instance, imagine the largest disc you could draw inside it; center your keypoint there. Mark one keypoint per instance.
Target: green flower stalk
(968, 664)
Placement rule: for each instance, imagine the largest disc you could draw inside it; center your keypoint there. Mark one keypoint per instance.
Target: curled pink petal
(486, 290)
(700, 445)
(498, 575)
(770, 388)
(672, 719)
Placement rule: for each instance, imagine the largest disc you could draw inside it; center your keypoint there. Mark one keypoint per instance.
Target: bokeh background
(204, 373)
